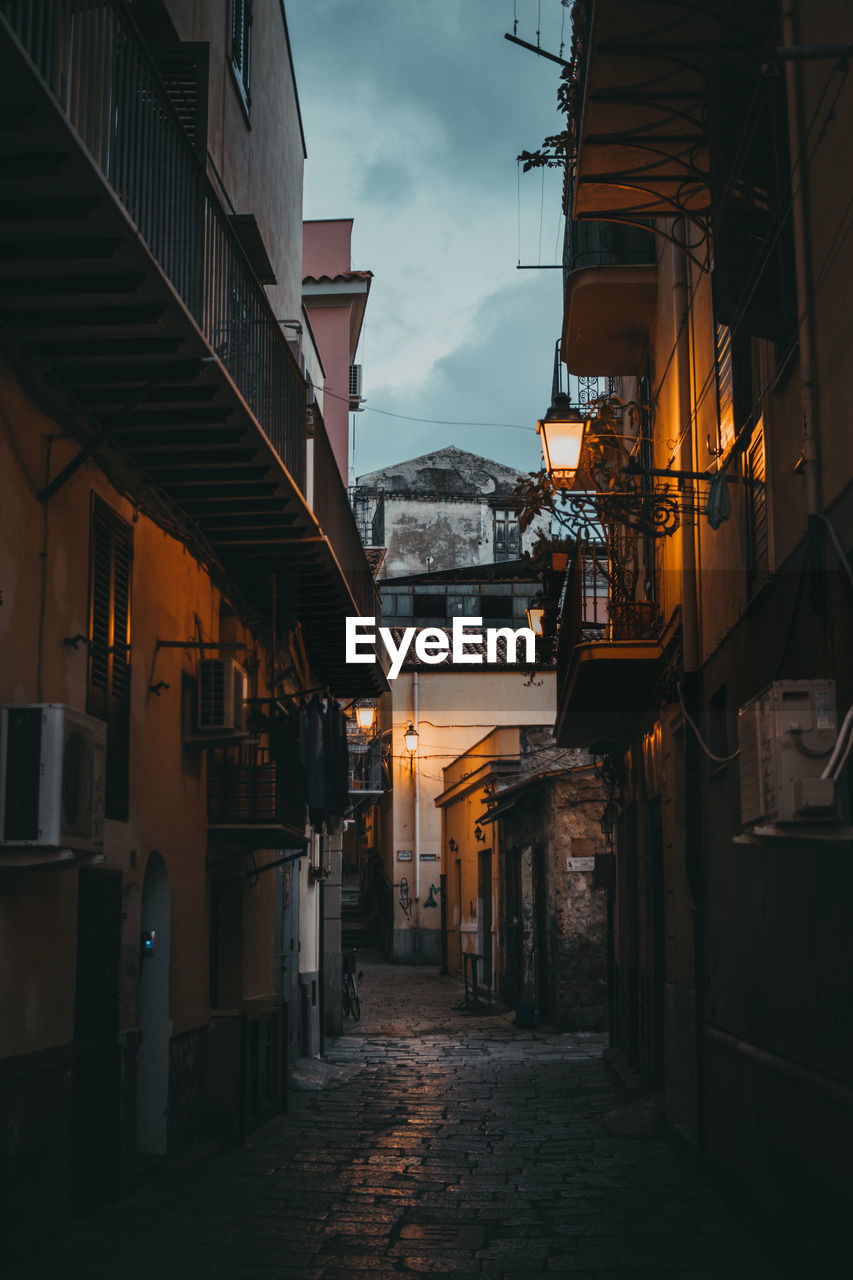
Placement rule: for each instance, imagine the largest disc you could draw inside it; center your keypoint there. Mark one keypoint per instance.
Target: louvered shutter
(184, 70)
(754, 468)
(750, 189)
(108, 696)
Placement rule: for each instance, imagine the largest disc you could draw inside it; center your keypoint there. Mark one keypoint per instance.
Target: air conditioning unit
(785, 737)
(222, 691)
(355, 387)
(52, 765)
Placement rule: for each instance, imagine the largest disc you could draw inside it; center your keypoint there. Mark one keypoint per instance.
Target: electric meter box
(785, 738)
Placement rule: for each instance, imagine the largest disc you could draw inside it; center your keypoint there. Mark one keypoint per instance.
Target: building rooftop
(449, 472)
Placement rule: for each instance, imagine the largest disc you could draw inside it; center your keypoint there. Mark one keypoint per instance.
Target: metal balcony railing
(248, 794)
(605, 244)
(91, 58)
(336, 519)
(590, 614)
(365, 765)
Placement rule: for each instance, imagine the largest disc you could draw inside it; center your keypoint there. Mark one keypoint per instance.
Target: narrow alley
(428, 1141)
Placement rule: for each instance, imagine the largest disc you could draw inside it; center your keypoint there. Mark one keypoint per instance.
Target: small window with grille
(241, 49)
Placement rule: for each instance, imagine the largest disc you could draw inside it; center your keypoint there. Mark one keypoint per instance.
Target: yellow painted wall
(44, 553)
(455, 710)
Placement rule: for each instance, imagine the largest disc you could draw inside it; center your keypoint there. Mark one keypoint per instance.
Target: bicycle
(352, 1004)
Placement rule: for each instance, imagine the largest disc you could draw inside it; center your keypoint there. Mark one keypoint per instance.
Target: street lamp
(365, 716)
(562, 433)
(536, 616)
(411, 739)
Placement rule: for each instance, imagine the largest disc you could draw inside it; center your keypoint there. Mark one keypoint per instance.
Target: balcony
(610, 284)
(127, 296)
(604, 667)
(248, 806)
(643, 111)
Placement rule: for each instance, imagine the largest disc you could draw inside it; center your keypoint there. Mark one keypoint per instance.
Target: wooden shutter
(184, 70)
(754, 468)
(750, 191)
(108, 695)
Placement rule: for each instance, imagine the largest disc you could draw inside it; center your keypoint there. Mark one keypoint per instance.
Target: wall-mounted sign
(404, 855)
(429, 857)
(580, 864)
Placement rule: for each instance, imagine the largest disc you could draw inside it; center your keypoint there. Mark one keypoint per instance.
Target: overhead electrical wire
(437, 422)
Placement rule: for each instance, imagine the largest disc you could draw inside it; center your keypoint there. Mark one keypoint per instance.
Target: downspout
(690, 666)
(689, 601)
(799, 221)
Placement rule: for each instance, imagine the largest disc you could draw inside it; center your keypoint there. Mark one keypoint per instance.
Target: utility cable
(708, 752)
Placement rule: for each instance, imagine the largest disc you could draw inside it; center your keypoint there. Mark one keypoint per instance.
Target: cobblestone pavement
(428, 1142)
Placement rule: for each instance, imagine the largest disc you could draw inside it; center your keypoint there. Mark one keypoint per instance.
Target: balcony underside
(607, 319)
(106, 344)
(642, 144)
(607, 688)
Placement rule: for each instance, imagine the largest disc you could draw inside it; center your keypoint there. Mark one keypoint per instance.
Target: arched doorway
(152, 1087)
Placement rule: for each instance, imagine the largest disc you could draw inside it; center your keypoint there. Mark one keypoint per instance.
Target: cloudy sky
(414, 113)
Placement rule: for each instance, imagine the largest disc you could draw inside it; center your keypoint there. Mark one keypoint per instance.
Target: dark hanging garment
(286, 752)
(337, 760)
(313, 754)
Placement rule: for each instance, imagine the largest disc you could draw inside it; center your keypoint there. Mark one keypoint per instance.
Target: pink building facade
(334, 298)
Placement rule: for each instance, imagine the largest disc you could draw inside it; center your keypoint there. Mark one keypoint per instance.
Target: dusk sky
(414, 113)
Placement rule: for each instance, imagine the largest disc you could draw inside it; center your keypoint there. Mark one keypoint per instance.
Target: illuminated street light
(365, 716)
(562, 432)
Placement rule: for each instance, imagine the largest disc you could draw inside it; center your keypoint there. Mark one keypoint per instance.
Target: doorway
(96, 1070)
(152, 1087)
(484, 915)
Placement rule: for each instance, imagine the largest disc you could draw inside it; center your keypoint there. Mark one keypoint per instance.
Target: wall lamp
(566, 444)
(536, 616)
(452, 845)
(411, 739)
(562, 434)
(365, 716)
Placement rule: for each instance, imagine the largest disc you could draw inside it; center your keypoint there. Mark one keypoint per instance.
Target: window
(734, 384)
(493, 607)
(108, 694)
(241, 48)
(507, 537)
(750, 189)
(429, 606)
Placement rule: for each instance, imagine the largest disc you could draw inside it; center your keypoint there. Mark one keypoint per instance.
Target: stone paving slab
(428, 1143)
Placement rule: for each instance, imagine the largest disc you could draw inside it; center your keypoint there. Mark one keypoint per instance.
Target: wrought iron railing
(590, 612)
(365, 765)
(251, 792)
(91, 58)
(605, 244)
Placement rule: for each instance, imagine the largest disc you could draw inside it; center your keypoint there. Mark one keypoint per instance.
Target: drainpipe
(689, 600)
(799, 224)
(690, 664)
(416, 765)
